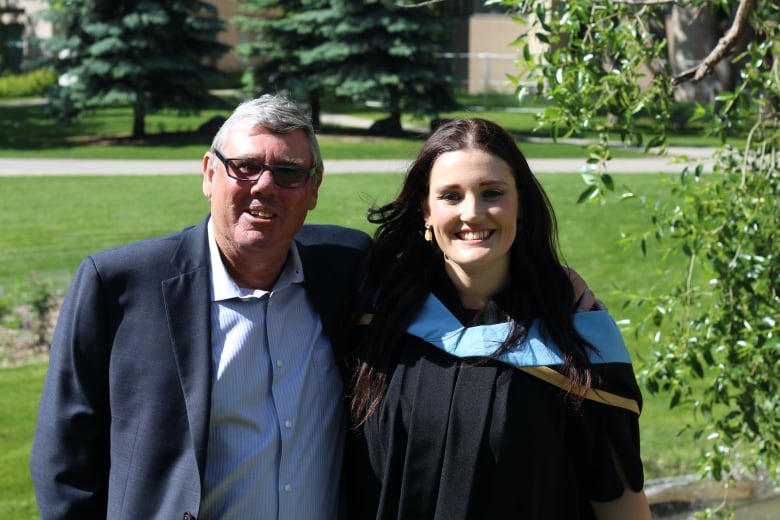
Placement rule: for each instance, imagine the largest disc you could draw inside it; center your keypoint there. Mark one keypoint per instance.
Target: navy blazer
(123, 420)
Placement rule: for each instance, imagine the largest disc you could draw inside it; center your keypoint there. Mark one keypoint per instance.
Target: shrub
(28, 84)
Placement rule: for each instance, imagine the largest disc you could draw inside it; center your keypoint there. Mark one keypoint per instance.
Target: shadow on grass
(30, 127)
(33, 127)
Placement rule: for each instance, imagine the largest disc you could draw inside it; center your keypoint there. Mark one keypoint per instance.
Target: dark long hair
(401, 265)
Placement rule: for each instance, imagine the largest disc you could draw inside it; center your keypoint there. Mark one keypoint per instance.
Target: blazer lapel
(188, 304)
(325, 285)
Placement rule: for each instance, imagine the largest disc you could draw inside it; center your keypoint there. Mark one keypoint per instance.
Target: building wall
(492, 56)
(226, 10)
(28, 13)
(31, 16)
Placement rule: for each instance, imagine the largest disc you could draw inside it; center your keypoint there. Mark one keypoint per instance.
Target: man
(192, 375)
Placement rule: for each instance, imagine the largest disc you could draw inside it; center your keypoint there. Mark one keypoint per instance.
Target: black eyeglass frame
(278, 171)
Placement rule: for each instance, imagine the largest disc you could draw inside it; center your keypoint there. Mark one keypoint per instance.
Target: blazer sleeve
(70, 455)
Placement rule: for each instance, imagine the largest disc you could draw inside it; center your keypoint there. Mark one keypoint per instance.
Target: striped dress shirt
(276, 433)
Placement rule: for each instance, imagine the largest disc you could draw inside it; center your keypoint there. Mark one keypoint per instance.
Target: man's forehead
(261, 133)
(260, 140)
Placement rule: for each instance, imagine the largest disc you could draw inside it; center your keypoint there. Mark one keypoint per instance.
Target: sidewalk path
(39, 167)
(32, 167)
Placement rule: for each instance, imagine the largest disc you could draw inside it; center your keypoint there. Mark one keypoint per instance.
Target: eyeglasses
(248, 170)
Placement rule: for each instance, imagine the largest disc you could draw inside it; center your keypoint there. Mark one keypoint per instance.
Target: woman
(468, 248)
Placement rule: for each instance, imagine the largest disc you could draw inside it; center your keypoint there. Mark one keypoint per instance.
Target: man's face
(258, 219)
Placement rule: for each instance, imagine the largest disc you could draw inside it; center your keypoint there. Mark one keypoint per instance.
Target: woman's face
(473, 210)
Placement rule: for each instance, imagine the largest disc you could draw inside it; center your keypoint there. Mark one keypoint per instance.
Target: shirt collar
(223, 287)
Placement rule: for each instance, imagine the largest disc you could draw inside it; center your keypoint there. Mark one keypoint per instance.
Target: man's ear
(208, 174)
(314, 186)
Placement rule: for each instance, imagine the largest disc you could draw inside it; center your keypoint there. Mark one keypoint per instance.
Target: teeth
(474, 235)
(261, 214)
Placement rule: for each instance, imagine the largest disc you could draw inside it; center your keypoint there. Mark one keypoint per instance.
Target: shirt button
(288, 423)
(287, 488)
(279, 363)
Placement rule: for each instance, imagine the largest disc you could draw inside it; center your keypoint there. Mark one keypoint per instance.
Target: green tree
(378, 50)
(281, 32)
(366, 50)
(604, 69)
(147, 54)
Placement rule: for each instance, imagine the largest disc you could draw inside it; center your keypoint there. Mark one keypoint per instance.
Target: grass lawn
(20, 388)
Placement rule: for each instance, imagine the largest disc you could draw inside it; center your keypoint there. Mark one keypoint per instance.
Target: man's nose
(265, 182)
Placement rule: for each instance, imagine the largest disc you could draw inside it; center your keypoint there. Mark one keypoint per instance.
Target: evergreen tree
(382, 51)
(149, 54)
(275, 52)
(363, 50)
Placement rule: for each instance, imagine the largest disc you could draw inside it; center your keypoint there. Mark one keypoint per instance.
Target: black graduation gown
(457, 440)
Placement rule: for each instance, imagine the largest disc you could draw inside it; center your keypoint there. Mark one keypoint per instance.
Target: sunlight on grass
(20, 389)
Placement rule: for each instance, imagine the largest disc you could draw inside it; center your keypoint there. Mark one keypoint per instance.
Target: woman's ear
(426, 211)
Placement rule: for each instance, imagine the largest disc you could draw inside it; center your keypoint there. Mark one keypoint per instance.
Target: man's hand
(584, 299)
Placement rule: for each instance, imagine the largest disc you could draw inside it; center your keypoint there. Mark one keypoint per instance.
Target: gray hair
(278, 114)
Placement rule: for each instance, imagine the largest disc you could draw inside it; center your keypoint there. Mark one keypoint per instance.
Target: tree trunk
(390, 125)
(139, 117)
(314, 106)
(692, 34)
(394, 122)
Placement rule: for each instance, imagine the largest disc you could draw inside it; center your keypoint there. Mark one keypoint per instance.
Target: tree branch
(419, 4)
(721, 50)
(646, 2)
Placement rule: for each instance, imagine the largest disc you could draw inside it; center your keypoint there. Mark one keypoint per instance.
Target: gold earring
(428, 233)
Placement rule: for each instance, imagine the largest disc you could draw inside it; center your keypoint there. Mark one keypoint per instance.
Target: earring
(428, 233)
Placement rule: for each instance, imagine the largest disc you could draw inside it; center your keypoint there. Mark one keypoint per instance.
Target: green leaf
(589, 193)
(675, 399)
(608, 181)
(589, 179)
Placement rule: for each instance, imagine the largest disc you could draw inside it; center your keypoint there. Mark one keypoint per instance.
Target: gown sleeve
(609, 434)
